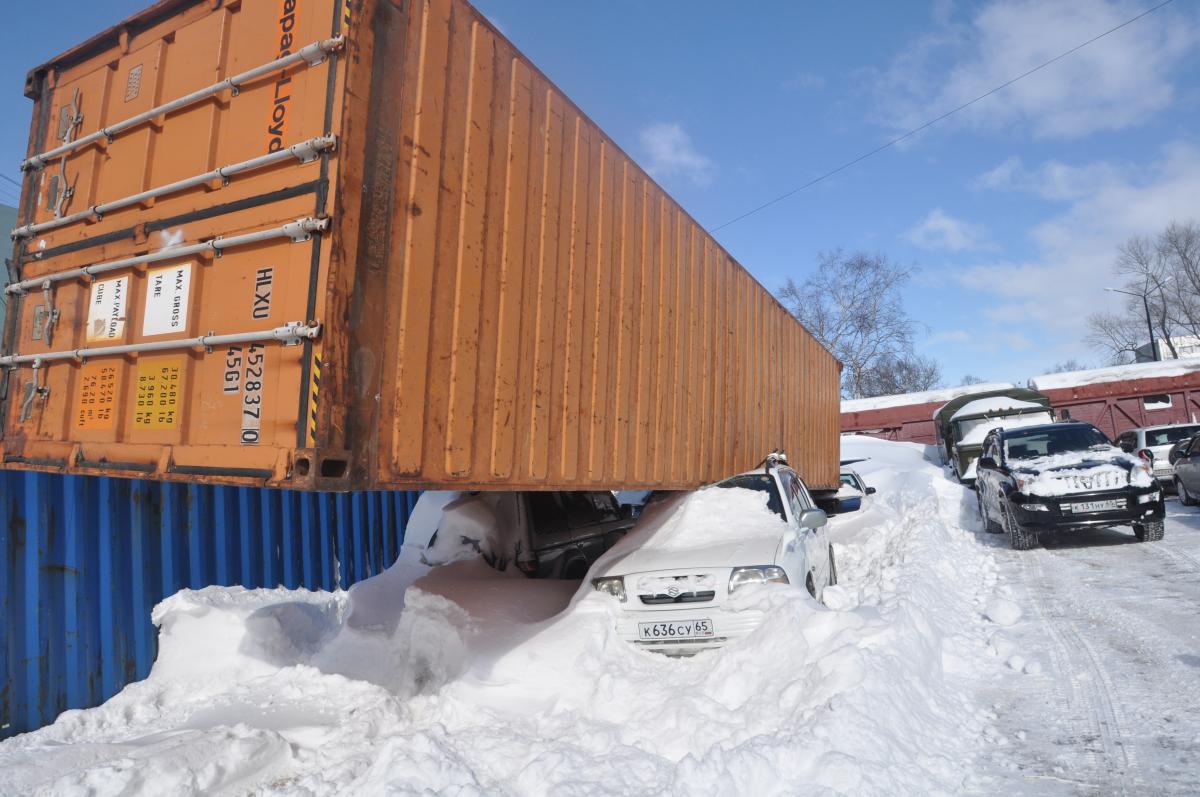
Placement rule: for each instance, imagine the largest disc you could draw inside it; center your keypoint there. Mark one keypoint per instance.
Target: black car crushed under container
(1064, 477)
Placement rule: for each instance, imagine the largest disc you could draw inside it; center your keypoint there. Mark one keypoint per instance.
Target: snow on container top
(939, 396)
(336, 245)
(1117, 373)
(996, 404)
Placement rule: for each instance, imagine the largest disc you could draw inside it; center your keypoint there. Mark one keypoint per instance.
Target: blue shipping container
(86, 559)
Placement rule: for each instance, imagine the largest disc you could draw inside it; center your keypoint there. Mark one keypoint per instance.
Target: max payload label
(97, 396)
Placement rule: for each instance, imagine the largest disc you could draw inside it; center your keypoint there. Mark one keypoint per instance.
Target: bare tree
(909, 373)
(1067, 365)
(1162, 302)
(852, 304)
(971, 379)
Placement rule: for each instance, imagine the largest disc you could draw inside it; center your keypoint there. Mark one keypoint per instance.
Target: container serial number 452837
(244, 372)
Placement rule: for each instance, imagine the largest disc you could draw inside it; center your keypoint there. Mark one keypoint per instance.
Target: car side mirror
(813, 519)
(986, 463)
(870, 491)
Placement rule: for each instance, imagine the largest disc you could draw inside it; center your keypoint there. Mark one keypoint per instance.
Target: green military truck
(963, 422)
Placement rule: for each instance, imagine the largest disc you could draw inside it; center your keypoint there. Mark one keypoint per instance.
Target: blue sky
(1012, 209)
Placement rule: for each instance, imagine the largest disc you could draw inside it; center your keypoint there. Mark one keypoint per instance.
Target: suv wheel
(1022, 539)
(1150, 531)
(989, 525)
(1185, 497)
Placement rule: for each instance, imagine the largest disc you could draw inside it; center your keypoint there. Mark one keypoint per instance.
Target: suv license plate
(679, 629)
(1095, 506)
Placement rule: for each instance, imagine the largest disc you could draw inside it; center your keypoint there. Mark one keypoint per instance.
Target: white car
(1158, 441)
(677, 573)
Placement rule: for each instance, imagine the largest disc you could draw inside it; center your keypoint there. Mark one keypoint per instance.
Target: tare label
(106, 309)
(167, 291)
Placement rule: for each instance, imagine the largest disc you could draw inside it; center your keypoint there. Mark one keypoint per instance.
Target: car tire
(1185, 497)
(989, 525)
(832, 569)
(812, 588)
(1150, 531)
(1022, 539)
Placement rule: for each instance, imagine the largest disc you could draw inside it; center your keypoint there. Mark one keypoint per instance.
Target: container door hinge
(33, 389)
(62, 189)
(45, 316)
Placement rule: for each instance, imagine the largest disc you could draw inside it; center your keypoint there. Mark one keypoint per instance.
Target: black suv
(1063, 477)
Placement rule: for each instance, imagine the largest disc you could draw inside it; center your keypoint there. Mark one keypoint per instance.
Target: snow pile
(712, 516)
(464, 680)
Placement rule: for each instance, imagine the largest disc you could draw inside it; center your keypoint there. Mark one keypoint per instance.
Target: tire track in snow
(1175, 555)
(1116, 761)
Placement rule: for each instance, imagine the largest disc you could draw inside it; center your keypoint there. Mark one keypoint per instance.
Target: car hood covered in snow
(714, 527)
(1081, 471)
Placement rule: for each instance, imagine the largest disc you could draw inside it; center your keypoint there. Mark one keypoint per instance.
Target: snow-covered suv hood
(711, 528)
(1081, 472)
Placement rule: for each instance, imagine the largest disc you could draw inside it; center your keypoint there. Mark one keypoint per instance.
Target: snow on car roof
(1116, 374)
(985, 406)
(925, 397)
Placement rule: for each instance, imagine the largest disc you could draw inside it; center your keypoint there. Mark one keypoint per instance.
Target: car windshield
(1047, 442)
(763, 482)
(1163, 437)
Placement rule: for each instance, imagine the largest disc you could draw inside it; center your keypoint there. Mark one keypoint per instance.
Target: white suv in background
(676, 574)
(1156, 442)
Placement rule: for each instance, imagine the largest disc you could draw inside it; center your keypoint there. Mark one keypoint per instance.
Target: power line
(946, 115)
(11, 180)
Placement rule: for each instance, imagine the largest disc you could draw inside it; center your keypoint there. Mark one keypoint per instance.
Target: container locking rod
(305, 151)
(289, 334)
(311, 54)
(298, 231)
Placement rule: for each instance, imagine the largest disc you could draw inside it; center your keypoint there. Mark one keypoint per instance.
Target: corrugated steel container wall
(543, 314)
(507, 300)
(85, 559)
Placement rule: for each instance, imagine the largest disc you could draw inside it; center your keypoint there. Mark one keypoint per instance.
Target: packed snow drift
(462, 680)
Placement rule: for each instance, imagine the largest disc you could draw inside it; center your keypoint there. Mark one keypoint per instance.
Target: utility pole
(1145, 294)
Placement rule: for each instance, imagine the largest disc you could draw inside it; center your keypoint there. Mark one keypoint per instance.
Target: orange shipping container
(340, 245)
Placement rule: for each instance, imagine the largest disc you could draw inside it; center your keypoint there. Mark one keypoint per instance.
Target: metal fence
(87, 558)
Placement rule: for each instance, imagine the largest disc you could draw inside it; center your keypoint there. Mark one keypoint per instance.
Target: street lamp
(1146, 304)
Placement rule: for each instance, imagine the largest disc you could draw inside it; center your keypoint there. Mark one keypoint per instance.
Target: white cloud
(1114, 83)
(1055, 180)
(1051, 294)
(955, 336)
(672, 154)
(939, 230)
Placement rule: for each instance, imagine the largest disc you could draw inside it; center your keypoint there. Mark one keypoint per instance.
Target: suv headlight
(759, 574)
(612, 585)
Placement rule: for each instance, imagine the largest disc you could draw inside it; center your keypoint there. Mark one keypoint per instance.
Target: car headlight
(1148, 498)
(612, 585)
(759, 574)
(1035, 507)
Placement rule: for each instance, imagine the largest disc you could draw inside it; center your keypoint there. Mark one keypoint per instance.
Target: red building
(1114, 399)
(907, 417)
(1127, 396)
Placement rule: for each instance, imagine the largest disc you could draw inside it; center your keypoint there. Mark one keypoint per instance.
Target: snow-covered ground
(945, 663)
